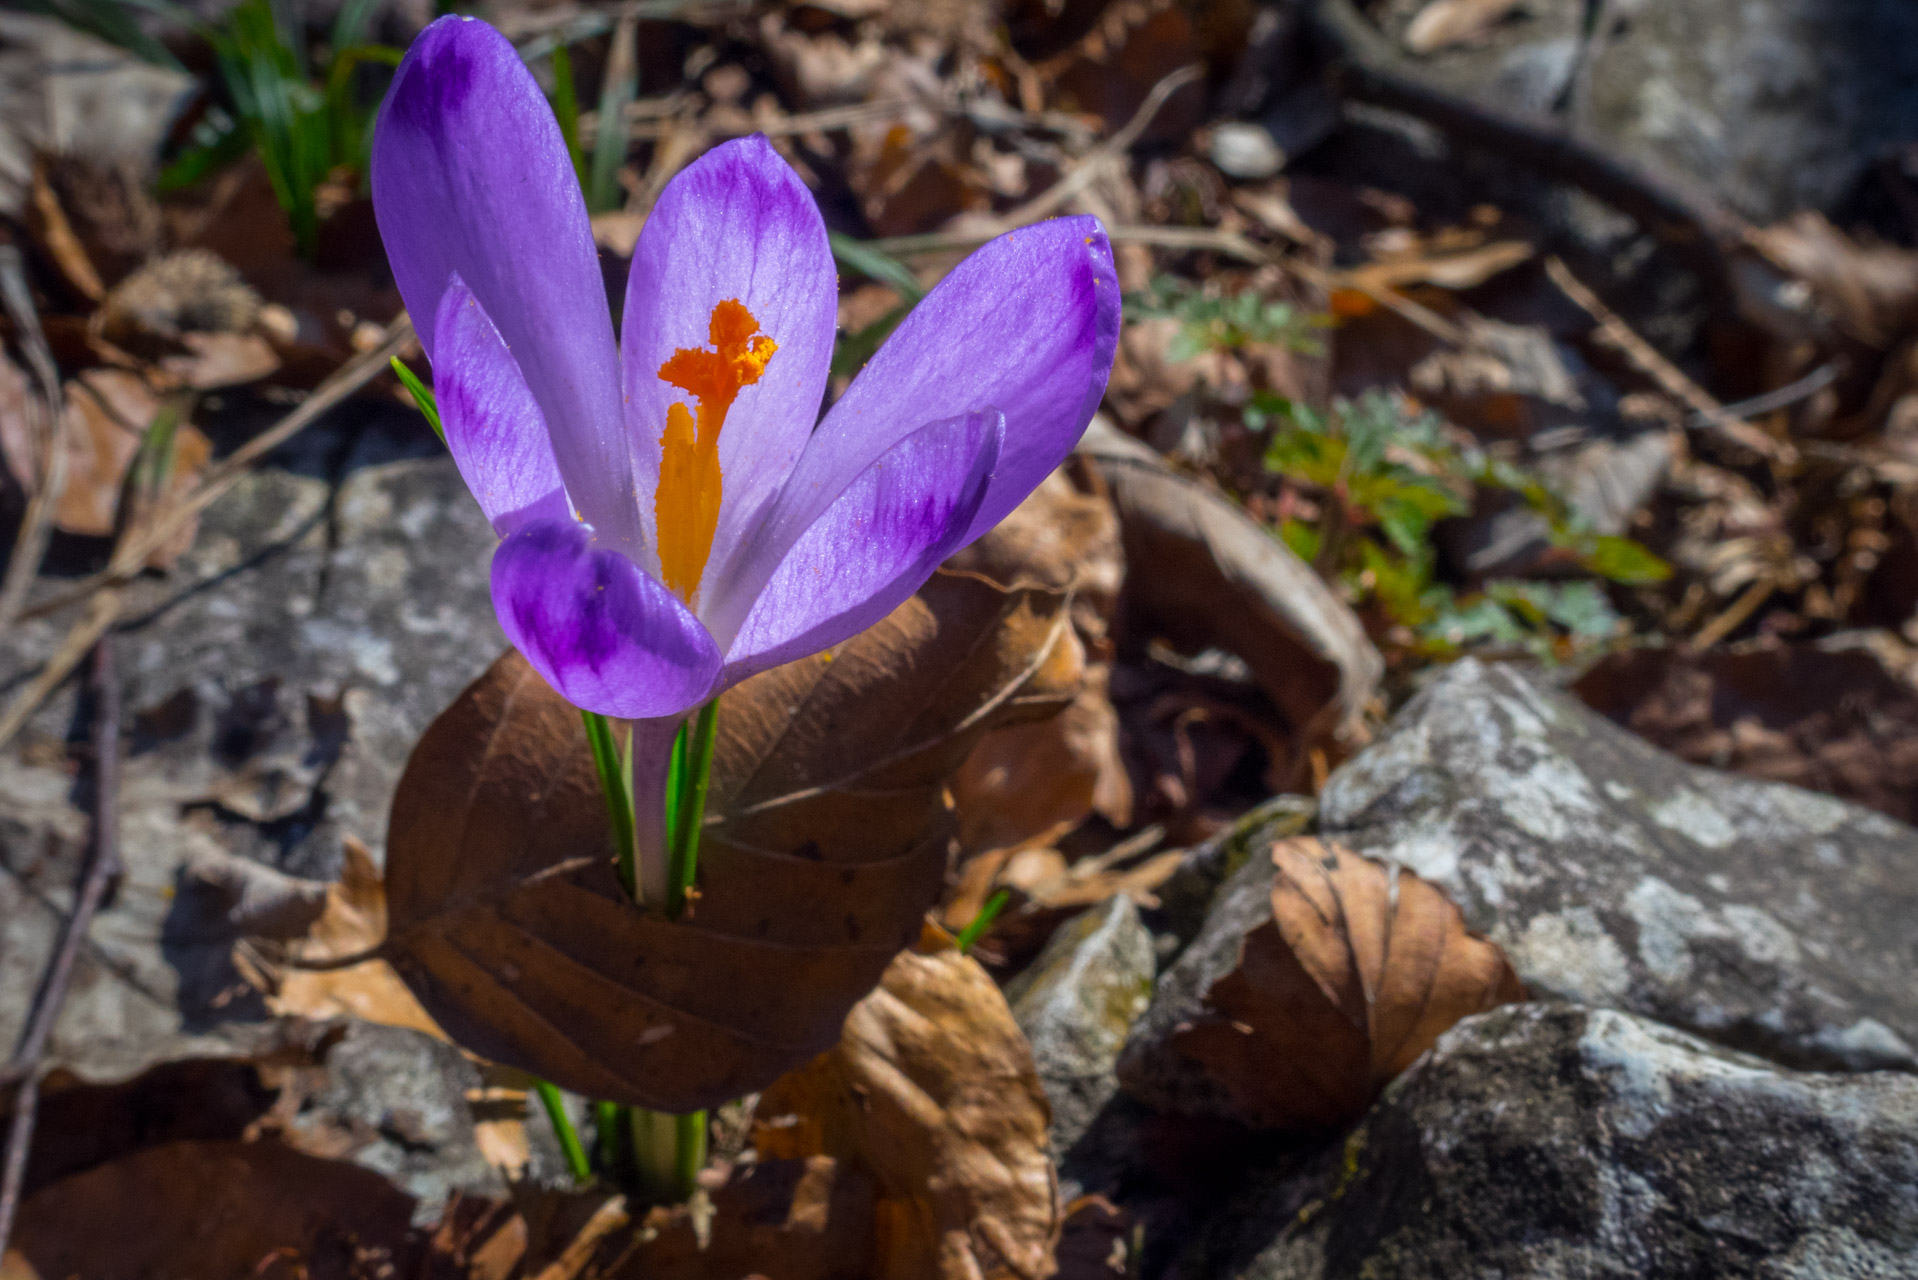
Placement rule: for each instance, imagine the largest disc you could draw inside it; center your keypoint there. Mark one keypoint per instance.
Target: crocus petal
(737, 224)
(875, 545)
(471, 178)
(1027, 324)
(606, 636)
(493, 428)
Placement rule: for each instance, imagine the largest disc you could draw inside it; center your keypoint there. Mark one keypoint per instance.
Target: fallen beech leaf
(1455, 269)
(1035, 782)
(352, 921)
(1358, 970)
(1449, 22)
(933, 1090)
(1206, 574)
(827, 836)
(216, 1210)
(1827, 720)
(106, 414)
(1060, 538)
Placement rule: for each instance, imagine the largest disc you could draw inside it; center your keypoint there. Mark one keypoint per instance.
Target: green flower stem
(615, 779)
(686, 807)
(983, 921)
(692, 1130)
(669, 1151)
(609, 1122)
(564, 1131)
(566, 108)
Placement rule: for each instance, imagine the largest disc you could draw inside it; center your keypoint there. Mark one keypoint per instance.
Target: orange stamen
(686, 504)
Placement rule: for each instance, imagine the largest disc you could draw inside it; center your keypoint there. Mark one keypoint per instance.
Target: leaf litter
(1262, 545)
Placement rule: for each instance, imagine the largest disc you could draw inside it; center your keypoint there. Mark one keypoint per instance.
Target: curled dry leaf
(1204, 573)
(352, 921)
(108, 412)
(1358, 969)
(1035, 782)
(827, 836)
(932, 1089)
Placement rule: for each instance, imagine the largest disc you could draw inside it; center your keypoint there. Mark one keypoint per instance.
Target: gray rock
(1171, 1081)
(1755, 914)
(275, 682)
(1778, 105)
(1552, 1140)
(1244, 150)
(1076, 1003)
(397, 1102)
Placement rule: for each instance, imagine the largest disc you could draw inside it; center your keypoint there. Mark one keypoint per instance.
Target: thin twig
(1618, 335)
(1784, 397)
(43, 417)
(1088, 169)
(1735, 616)
(103, 863)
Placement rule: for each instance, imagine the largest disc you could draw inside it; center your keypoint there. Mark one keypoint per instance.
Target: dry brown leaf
(827, 838)
(1449, 22)
(353, 920)
(1203, 573)
(1827, 720)
(107, 413)
(52, 231)
(1361, 968)
(1033, 783)
(1059, 537)
(217, 1210)
(1455, 269)
(933, 1090)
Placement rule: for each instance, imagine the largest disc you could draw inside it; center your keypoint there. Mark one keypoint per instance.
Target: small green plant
(854, 349)
(1210, 320)
(1382, 477)
(308, 123)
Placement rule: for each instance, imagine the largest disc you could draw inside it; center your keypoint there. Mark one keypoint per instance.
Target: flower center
(686, 504)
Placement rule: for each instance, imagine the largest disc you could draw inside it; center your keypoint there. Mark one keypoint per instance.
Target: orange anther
(686, 504)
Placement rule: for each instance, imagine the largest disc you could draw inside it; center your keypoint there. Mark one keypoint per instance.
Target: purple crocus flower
(671, 519)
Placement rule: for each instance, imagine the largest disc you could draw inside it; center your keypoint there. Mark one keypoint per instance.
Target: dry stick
(43, 414)
(1734, 616)
(103, 863)
(1084, 172)
(1076, 180)
(1618, 335)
